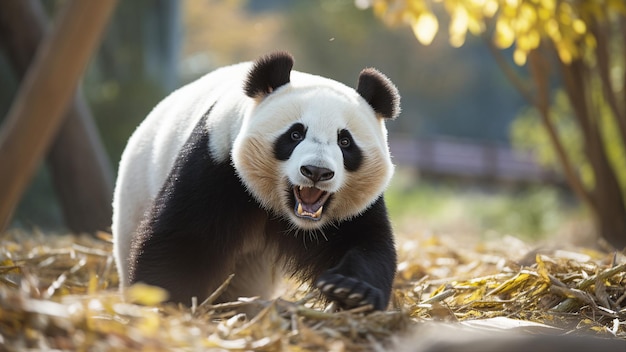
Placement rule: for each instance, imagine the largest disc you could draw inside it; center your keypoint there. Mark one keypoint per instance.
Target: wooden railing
(469, 159)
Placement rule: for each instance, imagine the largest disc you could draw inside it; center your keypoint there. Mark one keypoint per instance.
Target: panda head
(312, 150)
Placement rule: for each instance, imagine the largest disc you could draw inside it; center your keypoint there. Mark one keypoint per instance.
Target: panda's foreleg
(182, 263)
(365, 273)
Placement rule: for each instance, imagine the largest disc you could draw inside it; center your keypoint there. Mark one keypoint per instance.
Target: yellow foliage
(522, 23)
(579, 26)
(425, 28)
(458, 26)
(520, 56)
(504, 35)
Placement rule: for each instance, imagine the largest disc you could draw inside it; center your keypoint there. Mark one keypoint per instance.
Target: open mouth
(309, 202)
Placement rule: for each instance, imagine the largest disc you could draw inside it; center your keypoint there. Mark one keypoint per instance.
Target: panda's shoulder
(186, 105)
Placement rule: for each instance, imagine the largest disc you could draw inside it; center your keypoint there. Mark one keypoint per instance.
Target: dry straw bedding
(59, 292)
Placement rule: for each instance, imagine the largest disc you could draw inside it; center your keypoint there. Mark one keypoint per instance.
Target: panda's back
(155, 144)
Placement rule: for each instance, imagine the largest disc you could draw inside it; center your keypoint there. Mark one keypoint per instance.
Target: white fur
(235, 122)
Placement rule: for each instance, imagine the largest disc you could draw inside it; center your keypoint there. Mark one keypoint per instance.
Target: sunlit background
(460, 145)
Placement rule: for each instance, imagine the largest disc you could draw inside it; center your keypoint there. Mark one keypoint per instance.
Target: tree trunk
(609, 209)
(42, 99)
(80, 170)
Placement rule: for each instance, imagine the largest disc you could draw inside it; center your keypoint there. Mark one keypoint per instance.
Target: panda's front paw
(349, 292)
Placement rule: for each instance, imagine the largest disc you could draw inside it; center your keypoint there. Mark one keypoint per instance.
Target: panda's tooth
(301, 188)
(300, 210)
(318, 213)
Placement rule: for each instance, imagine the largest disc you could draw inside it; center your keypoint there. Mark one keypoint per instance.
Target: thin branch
(573, 82)
(539, 70)
(602, 35)
(522, 86)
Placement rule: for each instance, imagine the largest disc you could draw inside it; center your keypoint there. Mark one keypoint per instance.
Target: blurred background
(468, 146)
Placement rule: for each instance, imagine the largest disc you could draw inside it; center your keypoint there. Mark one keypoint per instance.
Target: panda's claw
(341, 291)
(350, 292)
(355, 296)
(328, 287)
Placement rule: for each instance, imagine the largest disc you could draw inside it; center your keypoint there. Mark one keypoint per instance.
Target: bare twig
(218, 291)
(440, 296)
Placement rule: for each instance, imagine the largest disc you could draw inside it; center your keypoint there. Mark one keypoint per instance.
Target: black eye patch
(352, 154)
(288, 141)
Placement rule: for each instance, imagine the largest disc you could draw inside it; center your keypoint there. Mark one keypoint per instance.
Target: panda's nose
(316, 174)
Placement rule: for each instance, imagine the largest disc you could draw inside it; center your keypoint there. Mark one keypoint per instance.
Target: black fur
(366, 266)
(189, 241)
(352, 155)
(185, 244)
(379, 92)
(268, 73)
(285, 144)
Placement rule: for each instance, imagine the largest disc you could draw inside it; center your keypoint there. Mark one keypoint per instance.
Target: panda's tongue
(310, 195)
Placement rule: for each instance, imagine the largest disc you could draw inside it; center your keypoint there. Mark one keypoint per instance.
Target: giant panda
(260, 170)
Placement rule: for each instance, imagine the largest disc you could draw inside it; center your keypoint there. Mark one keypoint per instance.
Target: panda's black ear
(379, 92)
(268, 73)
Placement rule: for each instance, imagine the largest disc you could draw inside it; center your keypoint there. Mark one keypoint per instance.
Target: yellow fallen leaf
(145, 294)
(541, 268)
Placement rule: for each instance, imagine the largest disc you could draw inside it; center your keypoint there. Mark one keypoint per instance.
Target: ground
(59, 292)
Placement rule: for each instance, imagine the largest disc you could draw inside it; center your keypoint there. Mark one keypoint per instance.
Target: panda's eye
(344, 142)
(296, 136)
